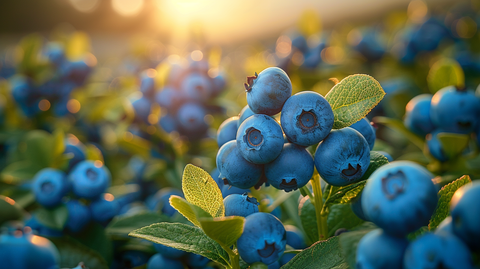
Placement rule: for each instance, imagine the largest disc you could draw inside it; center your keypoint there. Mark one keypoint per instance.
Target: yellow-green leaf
(453, 144)
(445, 72)
(184, 208)
(58, 143)
(201, 190)
(224, 230)
(352, 98)
(398, 125)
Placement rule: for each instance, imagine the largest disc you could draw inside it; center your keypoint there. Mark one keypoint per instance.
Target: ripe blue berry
(263, 239)
(49, 187)
(295, 237)
(417, 115)
(233, 167)
(169, 98)
(240, 205)
(435, 147)
(260, 139)
(147, 83)
(455, 110)
(227, 131)
(158, 261)
(196, 261)
(465, 211)
(89, 179)
(441, 250)
(142, 108)
(400, 197)
(75, 147)
(342, 157)
(104, 210)
(170, 252)
(191, 118)
(267, 92)
(244, 114)
(306, 118)
(160, 201)
(197, 87)
(357, 208)
(364, 127)
(292, 169)
(78, 216)
(378, 249)
(229, 190)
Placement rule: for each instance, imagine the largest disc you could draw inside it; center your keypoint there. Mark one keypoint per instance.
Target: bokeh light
(127, 7)
(84, 5)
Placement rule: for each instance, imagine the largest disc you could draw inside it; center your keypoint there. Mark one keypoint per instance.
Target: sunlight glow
(84, 5)
(127, 7)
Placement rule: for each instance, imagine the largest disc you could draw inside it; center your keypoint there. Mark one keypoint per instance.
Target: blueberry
(55, 53)
(428, 36)
(299, 42)
(446, 226)
(465, 211)
(400, 197)
(89, 179)
(240, 205)
(170, 252)
(277, 212)
(369, 45)
(50, 186)
(41, 229)
(292, 169)
(357, 208)
(76, 148)
(142, 109)
(378, 249)
(260, 139)
(191, 117)
(196, 261)
(342, 157)
(26, 251)
(244, 114)
(455, 110)
(306, 118)
(169, 98)
(133, 258)
(215, 174)
(417, 115)
(76, 71)
(104, 210)
(435, 147)
(295, 237)
(235, 169)
(267, 92)
(440, 250)
(219, 84)
(197, 87)
(168, 123)
(160, 201)
(158, 261)
(147, 83)
(313, 57)
(263, 239)
(78, 216)
(364, 127)
(227, 131)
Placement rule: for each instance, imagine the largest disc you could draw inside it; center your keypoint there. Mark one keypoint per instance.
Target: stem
(234, 258)
(321, 220)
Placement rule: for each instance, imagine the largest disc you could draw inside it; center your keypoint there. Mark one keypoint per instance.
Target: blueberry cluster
(450, 110)
(256, 149)
(35, 96)
(400, 197)
(167, 257)
(186, 99)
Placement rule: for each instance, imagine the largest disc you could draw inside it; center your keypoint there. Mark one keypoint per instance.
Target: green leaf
(38, 148)
(121, 226)
(224, 230)
(184, 237)
(341, 216)
(453, 144)
(94, 237)
(22, 197)
(135, 144)
(93, 153)
(352, 98)
(10, 210)
(58, 143)
(398, 126)
(201, 190)
(376, 160)
(72, 252)
(445, 196)
(349, 242)
(54, 218)
(345, 193)
(321, 255)
(189, 211)
(308, 218)
(445, 72)
(19, 172)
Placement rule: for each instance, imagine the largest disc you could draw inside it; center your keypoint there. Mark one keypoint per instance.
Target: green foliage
(376, 160)
(72, 252)
(184, 237)
(445, 72)
(308, 219)
(121, 226)
(10, 210)
(94, 237)
(189, 211)
(54, 218)
(224, 230)
(201, 190)
(453, 144)
(398, 125)
(341, 216)
(345, 193)
(352, 98)
(349, 241)
(321, 255)
(445, 196)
